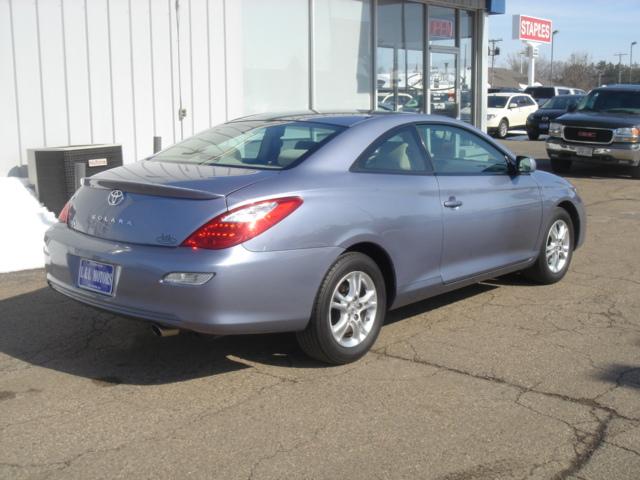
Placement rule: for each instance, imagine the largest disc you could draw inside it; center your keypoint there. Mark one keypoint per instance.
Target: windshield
(257, 144)
(614, 101)
(497, 101)
(540, 92)
(561, 102)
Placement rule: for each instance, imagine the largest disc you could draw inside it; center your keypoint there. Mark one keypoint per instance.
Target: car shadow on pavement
(621, 375)
(45, 329)
(588, 171)
(433, 303)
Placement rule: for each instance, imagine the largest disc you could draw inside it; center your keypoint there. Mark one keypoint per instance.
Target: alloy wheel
(352, 313)
(558, 245)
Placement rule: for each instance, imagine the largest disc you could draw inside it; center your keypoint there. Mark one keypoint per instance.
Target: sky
(598, 27)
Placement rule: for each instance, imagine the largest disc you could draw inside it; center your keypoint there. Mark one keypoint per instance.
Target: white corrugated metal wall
(108, 71)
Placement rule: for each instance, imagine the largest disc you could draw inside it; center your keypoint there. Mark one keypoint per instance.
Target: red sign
(532, 29)
(440, 28)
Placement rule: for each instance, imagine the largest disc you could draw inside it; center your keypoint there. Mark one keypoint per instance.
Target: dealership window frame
(476, 63)
(474, 7)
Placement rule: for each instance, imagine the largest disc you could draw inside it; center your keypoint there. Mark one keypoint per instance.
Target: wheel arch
(571, 209)
(384, 262)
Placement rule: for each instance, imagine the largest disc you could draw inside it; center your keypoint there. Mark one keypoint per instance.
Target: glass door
(444, 83)
(400, 56)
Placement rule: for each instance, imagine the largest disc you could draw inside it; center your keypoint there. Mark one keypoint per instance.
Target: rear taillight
(241, 224)
(63, 216)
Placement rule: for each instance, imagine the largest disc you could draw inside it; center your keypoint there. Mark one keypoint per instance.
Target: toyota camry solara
(312, 223)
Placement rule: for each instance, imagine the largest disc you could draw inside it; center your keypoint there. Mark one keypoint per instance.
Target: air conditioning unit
(53, 170)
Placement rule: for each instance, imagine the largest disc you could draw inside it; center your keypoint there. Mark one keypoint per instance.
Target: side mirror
(525, 165)
(572, 107)
(513, 105)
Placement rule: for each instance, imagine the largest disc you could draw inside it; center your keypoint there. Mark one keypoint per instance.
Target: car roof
(507, 94)
(626, 86)
(344, 118)
(347, 119)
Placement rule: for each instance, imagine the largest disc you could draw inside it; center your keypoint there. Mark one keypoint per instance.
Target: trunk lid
(155, 203)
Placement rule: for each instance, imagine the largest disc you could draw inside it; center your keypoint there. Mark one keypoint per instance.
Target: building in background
(125, 71)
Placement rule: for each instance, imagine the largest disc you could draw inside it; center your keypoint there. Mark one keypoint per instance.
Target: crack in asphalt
(586, 443)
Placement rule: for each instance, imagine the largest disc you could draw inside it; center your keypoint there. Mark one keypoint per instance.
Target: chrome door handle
(452, 203)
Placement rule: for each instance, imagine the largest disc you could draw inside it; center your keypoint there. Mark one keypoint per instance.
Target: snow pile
(24, 221)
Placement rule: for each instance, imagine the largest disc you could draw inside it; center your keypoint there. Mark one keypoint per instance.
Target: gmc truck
(603, 129)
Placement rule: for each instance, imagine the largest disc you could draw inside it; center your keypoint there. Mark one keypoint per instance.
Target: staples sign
(532, 29)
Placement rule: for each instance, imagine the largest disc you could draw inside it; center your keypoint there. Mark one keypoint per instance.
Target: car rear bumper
(251, 292)
(613, 154)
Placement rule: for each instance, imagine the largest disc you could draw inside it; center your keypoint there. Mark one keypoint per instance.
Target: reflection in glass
(467, 71)
(444, 84)
(442, 26)
(400, 56)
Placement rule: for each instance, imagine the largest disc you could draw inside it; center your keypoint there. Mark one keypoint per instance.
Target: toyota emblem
(115, 197)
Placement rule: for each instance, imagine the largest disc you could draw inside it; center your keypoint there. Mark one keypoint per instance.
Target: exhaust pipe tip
(162, 331)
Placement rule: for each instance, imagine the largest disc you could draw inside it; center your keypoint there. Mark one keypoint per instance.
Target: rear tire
(503, 128)
(635, 172)
(533, 135)
(348, 313)
(560, 165)
(556, 251)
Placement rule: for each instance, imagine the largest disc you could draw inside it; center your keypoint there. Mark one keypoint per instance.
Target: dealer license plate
(584, 151)
(543, 126)
(96, 276)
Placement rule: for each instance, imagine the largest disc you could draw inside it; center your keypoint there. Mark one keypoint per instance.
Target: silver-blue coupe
(312, 223)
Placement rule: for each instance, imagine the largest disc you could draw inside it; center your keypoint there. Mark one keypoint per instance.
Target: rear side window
(400, 152)
(541, 92)
(455, 151)
(262, 145)
(497, 101)
(564, 91)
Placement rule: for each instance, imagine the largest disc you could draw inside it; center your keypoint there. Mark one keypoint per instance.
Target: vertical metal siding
(96, 71)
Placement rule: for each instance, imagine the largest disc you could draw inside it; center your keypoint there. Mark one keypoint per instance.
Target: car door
(491, 218)
(523, 109)
(512, 113)
(394, 194)
(529, 106)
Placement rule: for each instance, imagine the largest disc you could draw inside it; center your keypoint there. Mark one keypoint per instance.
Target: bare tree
(520, 64)
(578, 71)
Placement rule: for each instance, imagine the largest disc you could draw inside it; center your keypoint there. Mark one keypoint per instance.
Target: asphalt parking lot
(500, 380)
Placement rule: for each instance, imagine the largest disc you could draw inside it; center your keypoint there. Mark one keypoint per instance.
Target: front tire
(533, 135)
(556, 250)
(560, 165)
(503, 128)
(348, 312)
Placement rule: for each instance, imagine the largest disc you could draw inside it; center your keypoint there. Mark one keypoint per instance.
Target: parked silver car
(313, 223)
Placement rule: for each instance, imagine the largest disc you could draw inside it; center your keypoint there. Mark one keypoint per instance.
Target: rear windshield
(497, 101)
(541, 92)
(257, 144)
(614, 101)
(561, 102)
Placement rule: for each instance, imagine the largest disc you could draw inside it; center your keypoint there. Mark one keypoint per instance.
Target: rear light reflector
(187, 278)
(63, 216)
(241, 224)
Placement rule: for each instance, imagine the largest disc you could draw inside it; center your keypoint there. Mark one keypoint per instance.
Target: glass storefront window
(467, 73)
(444, 86)
(400, 56)
(269, 70)
(442, 26)
(342, 54)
